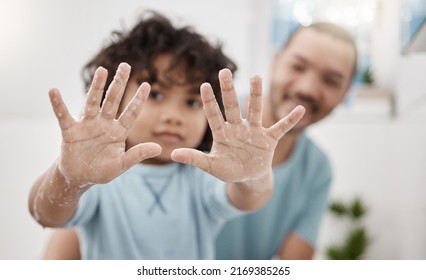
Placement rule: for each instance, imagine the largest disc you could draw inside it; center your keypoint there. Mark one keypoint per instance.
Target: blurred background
(376, 139)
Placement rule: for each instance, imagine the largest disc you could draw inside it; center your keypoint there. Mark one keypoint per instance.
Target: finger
(254, 113)
(288, 122)
(139, 153)
(60, 109)
(211, 108)
(192, 157)
(229, 96)
(132, 110)
(115, 91)
(94, 95)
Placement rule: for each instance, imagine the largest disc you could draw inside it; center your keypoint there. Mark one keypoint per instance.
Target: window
(357, 16)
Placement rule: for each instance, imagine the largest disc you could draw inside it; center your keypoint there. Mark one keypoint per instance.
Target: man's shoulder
(311, 151)
(310, 161)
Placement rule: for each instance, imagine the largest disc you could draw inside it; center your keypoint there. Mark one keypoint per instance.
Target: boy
(157, 209)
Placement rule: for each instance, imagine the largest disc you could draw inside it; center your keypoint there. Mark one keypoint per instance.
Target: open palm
(242, 149)
(93, 148)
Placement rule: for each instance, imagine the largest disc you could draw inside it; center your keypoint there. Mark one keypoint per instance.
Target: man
(314, 69)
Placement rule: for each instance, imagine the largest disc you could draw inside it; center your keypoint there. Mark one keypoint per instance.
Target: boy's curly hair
(155, 35)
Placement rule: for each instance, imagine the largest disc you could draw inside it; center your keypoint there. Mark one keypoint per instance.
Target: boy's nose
(172, 114)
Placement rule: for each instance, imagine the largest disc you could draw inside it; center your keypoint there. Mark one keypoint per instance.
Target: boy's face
(314, 70)
(172, 116)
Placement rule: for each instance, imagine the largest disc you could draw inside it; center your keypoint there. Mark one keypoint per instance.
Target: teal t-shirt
(297, 204)
(153, 212)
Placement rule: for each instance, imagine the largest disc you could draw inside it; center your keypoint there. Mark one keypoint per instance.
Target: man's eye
(156, 95)
(195, 103)
(297, 67)
(332, 82)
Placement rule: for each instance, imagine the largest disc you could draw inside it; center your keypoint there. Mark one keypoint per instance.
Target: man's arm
(242, 149)
(295, 248)
(63, 245)
(294, 245)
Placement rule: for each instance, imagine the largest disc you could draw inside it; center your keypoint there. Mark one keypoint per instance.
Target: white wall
(411, 84)
(382, 160)
(44, 43)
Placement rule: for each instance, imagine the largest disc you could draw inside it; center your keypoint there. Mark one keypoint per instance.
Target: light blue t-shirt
(299, 200)
(153, 212)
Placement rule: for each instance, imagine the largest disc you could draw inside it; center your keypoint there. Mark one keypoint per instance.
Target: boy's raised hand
(93, 148)
(242, 149)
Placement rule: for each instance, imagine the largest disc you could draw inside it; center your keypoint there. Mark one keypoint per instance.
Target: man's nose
(308, 87)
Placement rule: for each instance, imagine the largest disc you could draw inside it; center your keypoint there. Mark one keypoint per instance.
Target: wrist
(258, 185)
(53, 200)
(61, 190)
(252, 194)
(67, 180)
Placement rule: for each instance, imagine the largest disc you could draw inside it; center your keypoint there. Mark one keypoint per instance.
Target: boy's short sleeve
(86, 208)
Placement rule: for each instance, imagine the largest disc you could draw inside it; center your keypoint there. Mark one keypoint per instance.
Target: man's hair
(155, 35)
(334, 31)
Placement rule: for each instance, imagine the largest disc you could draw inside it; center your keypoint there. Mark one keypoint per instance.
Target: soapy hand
(93, 148)
(242, 149)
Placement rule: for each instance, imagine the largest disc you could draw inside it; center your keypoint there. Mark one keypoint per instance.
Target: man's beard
(281, 109)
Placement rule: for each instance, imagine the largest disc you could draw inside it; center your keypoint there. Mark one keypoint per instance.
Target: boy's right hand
(93, 148)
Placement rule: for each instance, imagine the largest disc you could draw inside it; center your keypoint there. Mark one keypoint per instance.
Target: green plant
(357, 239)
(367, 77)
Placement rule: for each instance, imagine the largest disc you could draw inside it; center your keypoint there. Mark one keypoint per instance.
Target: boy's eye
(194, 103)
(155, 95)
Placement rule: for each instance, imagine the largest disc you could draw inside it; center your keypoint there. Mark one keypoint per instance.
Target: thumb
(192, 157)
(139, 153)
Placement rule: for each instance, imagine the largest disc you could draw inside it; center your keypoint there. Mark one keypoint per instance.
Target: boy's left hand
(242, 149)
